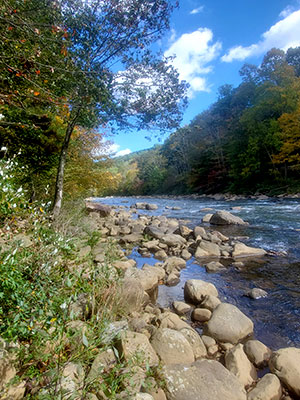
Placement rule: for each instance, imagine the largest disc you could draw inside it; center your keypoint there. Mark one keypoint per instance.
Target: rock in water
(226, 218)
(196, 289)
(202, 380)
(241, 250)
(229, 324)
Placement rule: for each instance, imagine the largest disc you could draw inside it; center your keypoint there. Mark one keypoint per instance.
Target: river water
(274, 224)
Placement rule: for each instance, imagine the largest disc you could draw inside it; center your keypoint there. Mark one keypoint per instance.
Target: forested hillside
(247, 141)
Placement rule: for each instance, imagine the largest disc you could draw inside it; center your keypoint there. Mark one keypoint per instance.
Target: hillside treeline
(247, 141)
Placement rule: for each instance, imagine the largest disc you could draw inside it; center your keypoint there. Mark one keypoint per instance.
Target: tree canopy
(90, 63)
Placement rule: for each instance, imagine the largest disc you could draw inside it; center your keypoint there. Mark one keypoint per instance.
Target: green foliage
(247, 141)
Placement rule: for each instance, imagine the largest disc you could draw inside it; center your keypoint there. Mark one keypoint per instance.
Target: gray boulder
(172, 240)
(207, 249)
(172, 347)
(202, 380)
(196, 289)
(285, 363)
(226, 218)
(257, 352)
(229, 324)
(241, 250)
(101, 209)
(268, 388)
(238, 363)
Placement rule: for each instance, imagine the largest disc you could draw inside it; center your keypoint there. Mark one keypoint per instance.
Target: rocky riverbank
(200, 348)
(225, 361)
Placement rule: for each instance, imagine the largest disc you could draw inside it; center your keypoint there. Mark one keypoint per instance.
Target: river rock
(101, 209)
(156, 270)
(226, 218)
(257, 352)
(229, 324)
(285, 363)
(72, 381)
(172, 279)
(214, 266)
(172, 240)
(7, 369)
(208, 341)
(104, 359)
(241, 250)
(154, 231)
(195, 341)
(161, 255)
(172, 347)
(202, 380)
(151, 206)
(124, 265)
(173, 263)
(181, 308)
(201, 314)
(238, 363)
(207, 249)
(183, 231)
(185, 254)
(200, 231)
(268, 388)
(206, 218)
(196, 289)
(210, 302)
(172, 321)
(256, 293)
(133, 344)
(132, 294)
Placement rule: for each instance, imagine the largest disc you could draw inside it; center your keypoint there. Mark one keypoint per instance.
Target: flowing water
(273, 225)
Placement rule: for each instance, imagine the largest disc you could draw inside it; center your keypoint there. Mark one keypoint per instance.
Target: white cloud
(197, 10)
(193, 52)
(123, 153)
(283, 35)
(113, 149)
(286, 12)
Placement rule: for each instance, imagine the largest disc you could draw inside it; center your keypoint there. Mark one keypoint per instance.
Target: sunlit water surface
(273, 225)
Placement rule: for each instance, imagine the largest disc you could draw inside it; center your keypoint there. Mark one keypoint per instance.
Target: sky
(211, 41)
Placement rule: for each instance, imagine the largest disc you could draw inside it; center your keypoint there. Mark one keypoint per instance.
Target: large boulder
(196, 289)
(136, 344)
(285, 363)
(172, 240)
(132, 294)
(202, 380)
(238, 363)
(226, 218)
(172, 347)
(229, 324)
(268, 388)
(207, 249)
(174, 263)
(257, 352)
(195, 341)
(101, 209)
(154, 232)
(241, 250)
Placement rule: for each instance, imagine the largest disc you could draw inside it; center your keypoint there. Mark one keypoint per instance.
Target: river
(274, 224)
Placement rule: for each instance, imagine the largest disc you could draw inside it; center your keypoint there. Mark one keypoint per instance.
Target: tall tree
(109, 75)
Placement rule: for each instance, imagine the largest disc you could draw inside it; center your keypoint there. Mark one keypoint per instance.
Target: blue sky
(211, 41)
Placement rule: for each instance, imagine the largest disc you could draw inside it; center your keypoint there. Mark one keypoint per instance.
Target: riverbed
(274, 224)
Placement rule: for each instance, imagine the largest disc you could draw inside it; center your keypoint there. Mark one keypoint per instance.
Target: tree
(109, 75)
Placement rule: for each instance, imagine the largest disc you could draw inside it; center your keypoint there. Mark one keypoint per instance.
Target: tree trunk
(61, 167)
